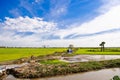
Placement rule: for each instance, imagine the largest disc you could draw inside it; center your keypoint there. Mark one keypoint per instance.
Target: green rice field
(108, 51)
(16, 53)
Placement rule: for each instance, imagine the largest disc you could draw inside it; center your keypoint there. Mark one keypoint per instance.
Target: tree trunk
(103, 48)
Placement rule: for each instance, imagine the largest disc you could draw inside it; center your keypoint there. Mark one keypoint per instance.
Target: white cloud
(27, 24)
(12, 31)
(107, 21)
(58, 8)
(107, 4)
(111, 39)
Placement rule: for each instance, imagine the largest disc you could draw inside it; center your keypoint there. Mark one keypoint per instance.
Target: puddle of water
(4, 67)
(85, 58)
(10, 77)
(104, 74)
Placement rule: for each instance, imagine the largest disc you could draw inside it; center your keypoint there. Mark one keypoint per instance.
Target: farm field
(108, 51)
(16, 53)
(53, 66)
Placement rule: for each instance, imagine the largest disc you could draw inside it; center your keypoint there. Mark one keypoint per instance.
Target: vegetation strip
(48, 70)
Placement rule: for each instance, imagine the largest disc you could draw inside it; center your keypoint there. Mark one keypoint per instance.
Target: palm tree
(102, 46)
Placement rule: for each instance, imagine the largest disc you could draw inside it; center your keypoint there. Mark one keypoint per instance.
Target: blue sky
(58, 23)
(55, 10)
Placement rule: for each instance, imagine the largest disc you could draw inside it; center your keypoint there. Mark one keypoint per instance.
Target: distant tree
(102, 46)
(71, 46)
(44, 46)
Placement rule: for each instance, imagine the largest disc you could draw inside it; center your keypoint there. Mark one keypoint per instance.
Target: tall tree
(102, 46)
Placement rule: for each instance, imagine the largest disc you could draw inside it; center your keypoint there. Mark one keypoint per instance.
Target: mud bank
(104, 74)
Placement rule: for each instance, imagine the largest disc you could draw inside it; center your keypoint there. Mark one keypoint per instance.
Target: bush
(116, 78)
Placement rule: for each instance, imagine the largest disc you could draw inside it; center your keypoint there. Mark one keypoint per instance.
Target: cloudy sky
(58, 23)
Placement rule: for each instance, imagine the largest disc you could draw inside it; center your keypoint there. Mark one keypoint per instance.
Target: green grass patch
(108, 51)
(53, 62)
(15, 53)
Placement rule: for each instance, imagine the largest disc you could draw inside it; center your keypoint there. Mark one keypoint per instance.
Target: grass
(108, 51)
(53, 62)
(15, 53)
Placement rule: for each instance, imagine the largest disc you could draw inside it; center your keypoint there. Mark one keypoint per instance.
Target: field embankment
(48, 70)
